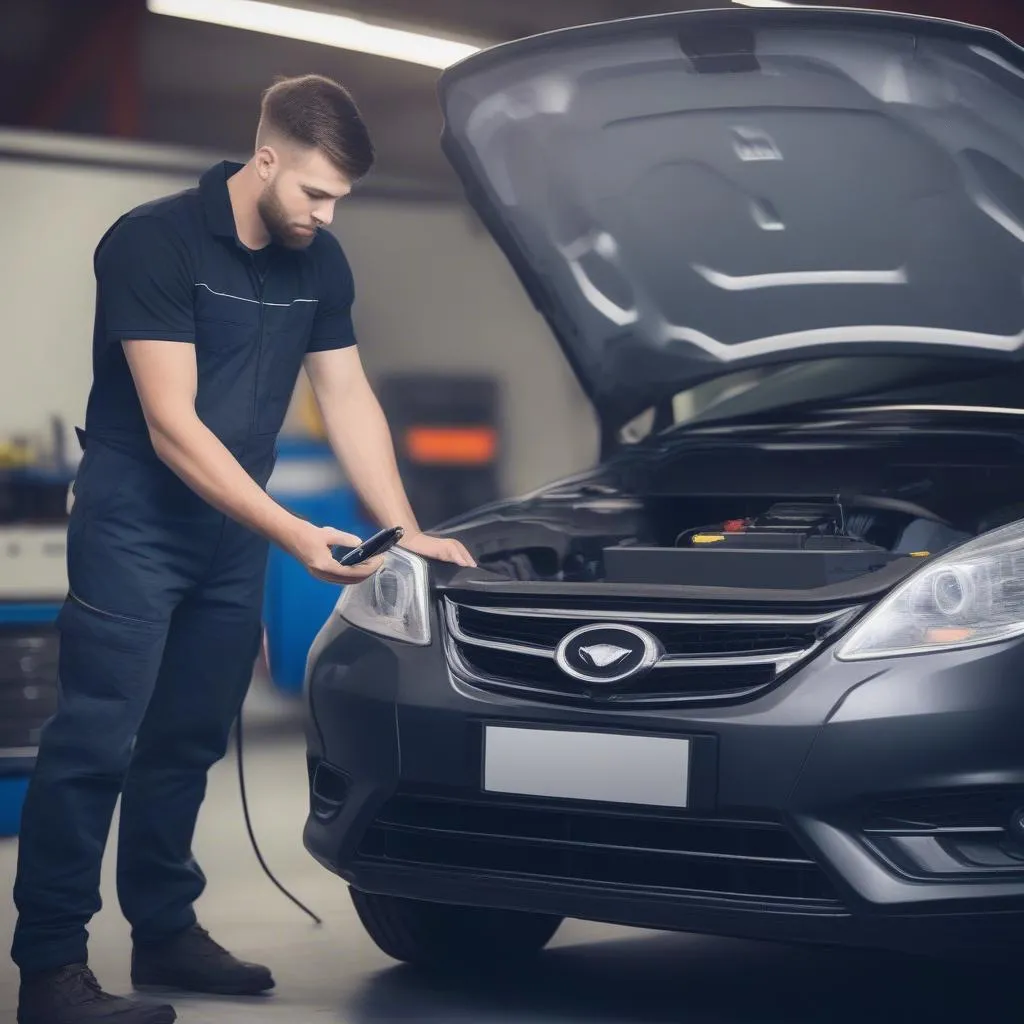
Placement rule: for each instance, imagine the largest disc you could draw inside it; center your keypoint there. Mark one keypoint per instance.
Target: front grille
(712, 858)
(28, 684)
(707, 657)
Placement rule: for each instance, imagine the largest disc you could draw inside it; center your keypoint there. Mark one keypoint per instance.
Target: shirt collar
(213, 188)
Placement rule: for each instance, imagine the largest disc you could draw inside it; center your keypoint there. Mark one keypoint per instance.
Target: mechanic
(209, 302)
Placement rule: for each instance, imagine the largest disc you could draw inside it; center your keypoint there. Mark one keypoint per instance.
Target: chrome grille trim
(780, 662)
(451, 613)
(675, 618)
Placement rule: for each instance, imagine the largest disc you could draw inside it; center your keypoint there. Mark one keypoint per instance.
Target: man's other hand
(440, 548)
(311, 545)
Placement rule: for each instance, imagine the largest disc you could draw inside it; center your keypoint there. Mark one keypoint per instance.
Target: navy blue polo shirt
(175, 270)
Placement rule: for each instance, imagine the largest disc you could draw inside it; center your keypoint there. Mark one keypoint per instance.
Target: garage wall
(52, 217)
(433, 293)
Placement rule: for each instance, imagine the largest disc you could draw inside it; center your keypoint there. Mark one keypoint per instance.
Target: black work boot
(72, 995)
(193, 962)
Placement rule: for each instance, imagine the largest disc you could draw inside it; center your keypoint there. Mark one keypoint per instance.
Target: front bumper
(862, 804)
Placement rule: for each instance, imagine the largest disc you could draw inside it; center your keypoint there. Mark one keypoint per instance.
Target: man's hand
(311, 545)
(441, 548)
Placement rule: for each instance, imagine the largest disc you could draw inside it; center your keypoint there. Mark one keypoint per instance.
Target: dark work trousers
(158, 640)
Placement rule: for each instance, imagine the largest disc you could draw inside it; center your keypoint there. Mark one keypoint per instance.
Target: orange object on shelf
(452, 446)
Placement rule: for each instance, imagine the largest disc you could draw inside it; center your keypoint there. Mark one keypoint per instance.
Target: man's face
(299, 196)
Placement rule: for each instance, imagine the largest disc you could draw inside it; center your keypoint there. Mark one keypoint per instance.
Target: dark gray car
(759, 672)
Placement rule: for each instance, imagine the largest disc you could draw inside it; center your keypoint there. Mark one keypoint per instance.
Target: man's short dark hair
(315, 111)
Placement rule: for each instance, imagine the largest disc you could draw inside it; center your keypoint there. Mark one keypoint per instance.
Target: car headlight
(971, 596)
(393, 601)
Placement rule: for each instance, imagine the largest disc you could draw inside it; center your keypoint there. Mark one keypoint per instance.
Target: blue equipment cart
(28, 693)
(309, 482)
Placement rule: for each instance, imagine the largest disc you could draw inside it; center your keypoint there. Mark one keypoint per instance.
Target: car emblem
(607, 653)
(603, 655)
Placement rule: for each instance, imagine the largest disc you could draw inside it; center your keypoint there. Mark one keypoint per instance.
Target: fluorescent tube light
(338, 30)
(765, 3)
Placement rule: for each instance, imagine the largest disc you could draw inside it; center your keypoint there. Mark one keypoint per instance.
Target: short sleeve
(145, 285)
(333, 327)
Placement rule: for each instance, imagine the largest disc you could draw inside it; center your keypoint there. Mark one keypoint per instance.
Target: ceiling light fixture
(765, 3)
(338, 30)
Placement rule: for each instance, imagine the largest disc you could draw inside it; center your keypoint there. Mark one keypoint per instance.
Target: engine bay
(753, 543)
(693, 524)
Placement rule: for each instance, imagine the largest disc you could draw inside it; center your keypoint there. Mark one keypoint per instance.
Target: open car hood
(685, 196)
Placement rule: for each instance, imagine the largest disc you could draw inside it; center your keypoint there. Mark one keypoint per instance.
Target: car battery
(789, 547)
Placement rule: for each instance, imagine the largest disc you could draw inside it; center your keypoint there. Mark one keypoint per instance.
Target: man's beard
(275, 220)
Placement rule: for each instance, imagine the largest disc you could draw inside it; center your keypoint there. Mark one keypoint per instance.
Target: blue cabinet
(309, 482)
(28, 696)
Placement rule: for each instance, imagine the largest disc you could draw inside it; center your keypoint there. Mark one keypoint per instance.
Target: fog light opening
(329, 791)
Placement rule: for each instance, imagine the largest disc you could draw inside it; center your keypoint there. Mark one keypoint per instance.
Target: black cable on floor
(248, 825)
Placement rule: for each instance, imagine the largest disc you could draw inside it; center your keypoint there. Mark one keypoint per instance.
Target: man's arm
(166, 379)
(165, 376)
(359, 435)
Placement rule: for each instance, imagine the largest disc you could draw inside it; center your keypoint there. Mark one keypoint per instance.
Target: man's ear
(266, 162)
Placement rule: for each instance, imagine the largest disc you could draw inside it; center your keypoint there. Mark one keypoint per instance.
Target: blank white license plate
(607, 767)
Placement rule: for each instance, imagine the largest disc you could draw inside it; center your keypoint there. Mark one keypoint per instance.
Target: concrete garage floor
(590, 974)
